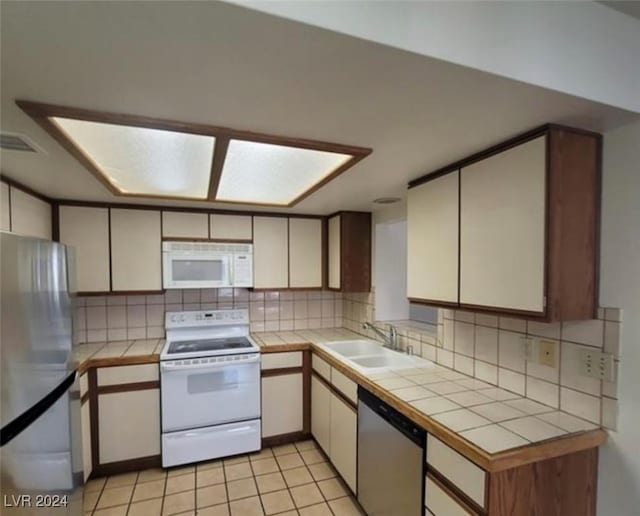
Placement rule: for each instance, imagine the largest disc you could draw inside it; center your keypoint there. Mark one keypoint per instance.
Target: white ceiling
(224, 65)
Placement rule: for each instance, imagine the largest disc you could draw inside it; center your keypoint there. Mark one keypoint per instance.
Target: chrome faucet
(390, 338)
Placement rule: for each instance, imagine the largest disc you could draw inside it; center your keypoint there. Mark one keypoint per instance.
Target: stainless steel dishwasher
(390, 460)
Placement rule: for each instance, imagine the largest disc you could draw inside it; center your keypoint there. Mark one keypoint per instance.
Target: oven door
(209, 391)
(194, 270)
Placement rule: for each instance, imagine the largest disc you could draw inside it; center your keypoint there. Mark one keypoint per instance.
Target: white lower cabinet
(334, 425)
(321, 414)
(440, 503)
(344, 432)
(85, 421)
(129, 425)
(282, 404)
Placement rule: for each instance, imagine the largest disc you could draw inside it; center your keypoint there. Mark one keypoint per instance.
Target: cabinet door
(87, 231)
(230, 227)
(321, 414)
(432, 240)
(502, 224)
(30, 216)
(334, 252)
(177, 224)
(129, 425)
(86, 440)
(270, 252)
(305, 253)
(344, 435)
(135, 250)
(281, 404)
(5, 215)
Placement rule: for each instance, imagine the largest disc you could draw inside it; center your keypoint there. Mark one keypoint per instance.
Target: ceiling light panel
(138, 160)
(263, 173)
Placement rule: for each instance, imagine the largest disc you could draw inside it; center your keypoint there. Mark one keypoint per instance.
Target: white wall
(390, 271)
(576, 47)
(619, 471)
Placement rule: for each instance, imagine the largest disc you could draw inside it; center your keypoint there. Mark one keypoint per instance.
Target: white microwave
(206, 265)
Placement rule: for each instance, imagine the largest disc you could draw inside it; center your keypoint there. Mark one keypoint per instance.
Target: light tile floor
(293, 479)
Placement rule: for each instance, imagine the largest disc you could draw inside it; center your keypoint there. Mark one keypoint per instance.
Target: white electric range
(210, 386)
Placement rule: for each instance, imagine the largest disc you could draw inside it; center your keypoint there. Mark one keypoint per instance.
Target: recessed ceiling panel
(263, 173)
(144, 161)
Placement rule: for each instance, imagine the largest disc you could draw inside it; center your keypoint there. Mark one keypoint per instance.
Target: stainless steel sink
(369, 355)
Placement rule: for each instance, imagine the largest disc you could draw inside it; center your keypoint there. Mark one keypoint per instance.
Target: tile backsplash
(492, 349)
(112, 318)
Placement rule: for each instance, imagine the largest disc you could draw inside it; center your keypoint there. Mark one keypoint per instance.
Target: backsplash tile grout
(492, 349)
(113, 318)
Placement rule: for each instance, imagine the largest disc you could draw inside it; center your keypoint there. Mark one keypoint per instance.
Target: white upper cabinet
(135, 250)
(230, 227)
(5, 215)
(30, 216)
(270, 252)
(502, 229)
(335, 253)
(305, 253)
(432, 240)
(87, 231)
(178, 224)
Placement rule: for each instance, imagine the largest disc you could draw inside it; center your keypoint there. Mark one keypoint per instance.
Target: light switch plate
(596, 364)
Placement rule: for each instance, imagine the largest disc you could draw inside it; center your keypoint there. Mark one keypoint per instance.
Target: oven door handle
(170, 366)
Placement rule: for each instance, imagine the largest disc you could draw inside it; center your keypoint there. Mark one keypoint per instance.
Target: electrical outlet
(596, 364)
(547, 353)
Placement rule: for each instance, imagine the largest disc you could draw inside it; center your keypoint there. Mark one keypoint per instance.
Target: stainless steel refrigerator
(41, 463)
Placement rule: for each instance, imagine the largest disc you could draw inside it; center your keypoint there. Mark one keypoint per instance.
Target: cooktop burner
(200, 345)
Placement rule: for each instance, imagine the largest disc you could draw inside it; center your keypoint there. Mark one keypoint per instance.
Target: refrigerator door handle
(24, 420)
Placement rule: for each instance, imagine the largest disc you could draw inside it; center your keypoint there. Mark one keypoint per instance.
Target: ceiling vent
(17, 142)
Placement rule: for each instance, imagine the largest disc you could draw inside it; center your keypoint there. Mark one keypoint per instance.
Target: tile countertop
(125, 352)
(495, 428)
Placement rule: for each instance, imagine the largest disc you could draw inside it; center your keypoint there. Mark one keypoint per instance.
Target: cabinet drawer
(346, 386)
(282, 360)
(321, 367)
(440, 503)
(462, 473)
(127, 374)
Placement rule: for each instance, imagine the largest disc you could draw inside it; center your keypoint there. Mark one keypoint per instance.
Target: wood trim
(562, 486)
(128, 387)
(217, 163)
(41, 113)
(489, 462)
(282, 371)
(84, 398)
(335, 391)
(306, 391)
(24, 188)
(455, 492)
(158, 207)
(542, 316)
(121, 293)
(94, 425)
(279, 440)
(483, 154)
(210, 240)
(55, 221)
(9, 201)
(125, 466)
(433, 302)
(110, 249)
